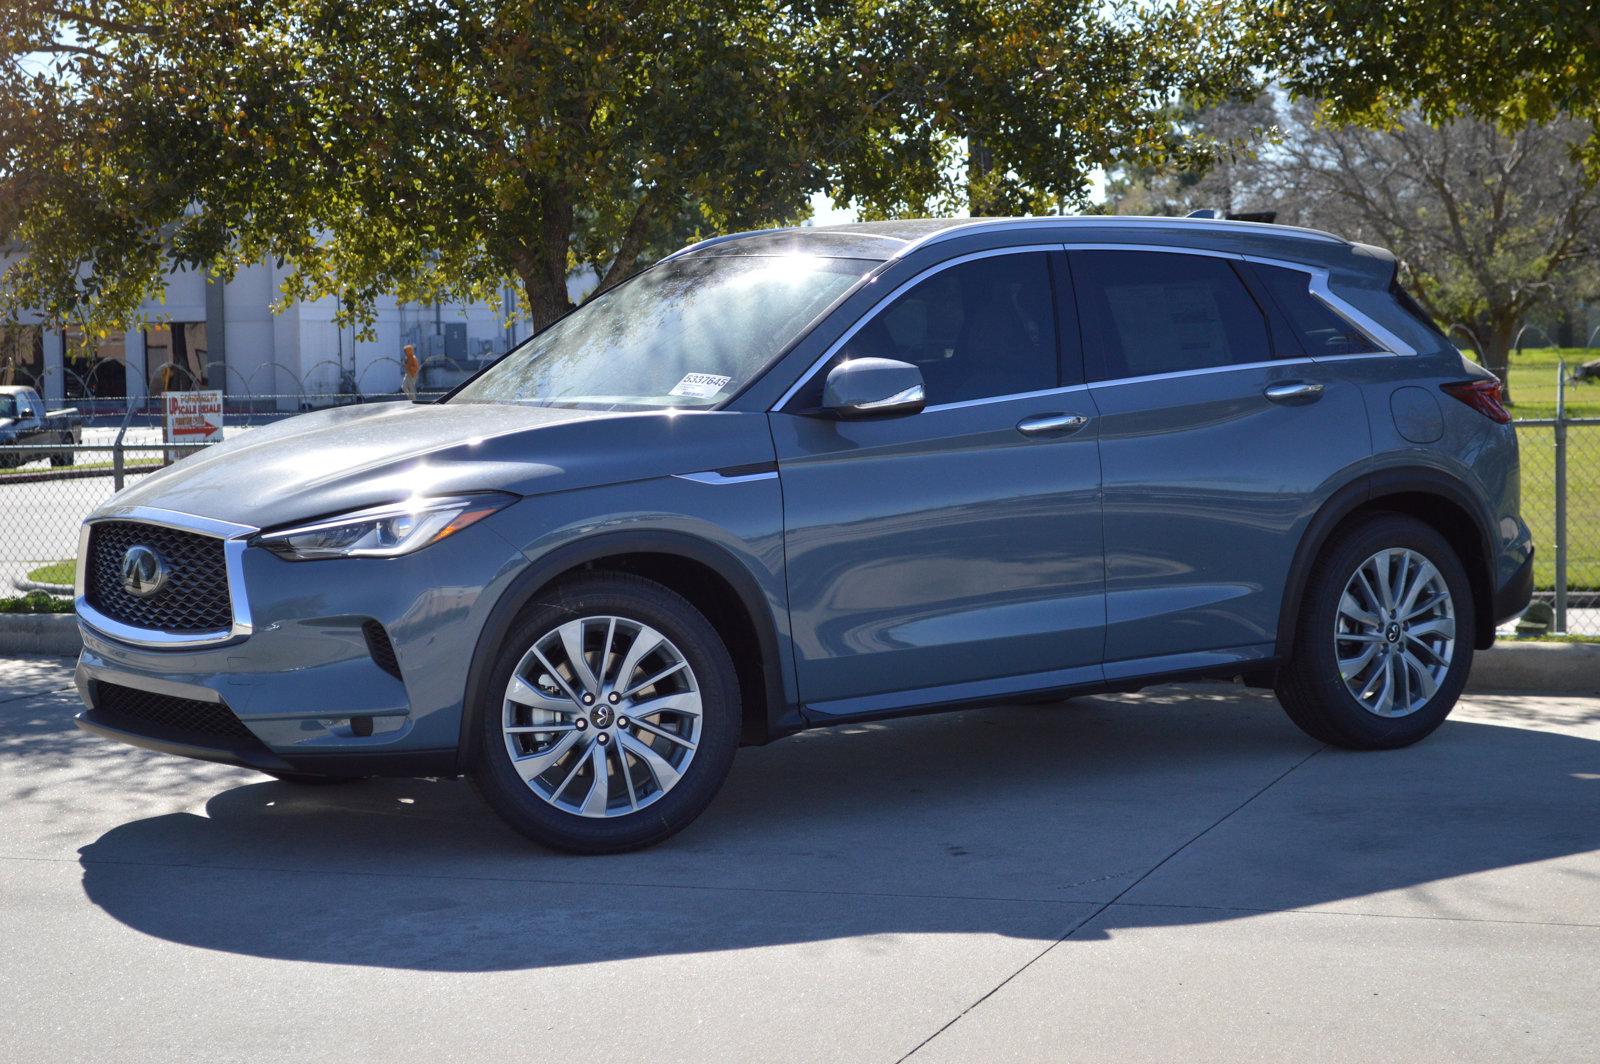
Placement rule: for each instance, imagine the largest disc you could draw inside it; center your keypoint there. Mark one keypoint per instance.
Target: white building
(225, 336)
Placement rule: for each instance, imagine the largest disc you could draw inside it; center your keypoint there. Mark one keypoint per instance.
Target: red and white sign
(193, 417)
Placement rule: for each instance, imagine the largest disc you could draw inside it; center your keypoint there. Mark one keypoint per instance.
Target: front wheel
(611, 717)
(1384, 641)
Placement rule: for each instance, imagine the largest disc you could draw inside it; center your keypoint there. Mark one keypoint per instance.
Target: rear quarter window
(1319, 329)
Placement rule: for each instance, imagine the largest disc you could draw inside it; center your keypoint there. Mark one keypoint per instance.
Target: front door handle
(1051, 424)
(1294, 393)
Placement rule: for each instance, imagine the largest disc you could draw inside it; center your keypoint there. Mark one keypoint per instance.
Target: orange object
(413, 367)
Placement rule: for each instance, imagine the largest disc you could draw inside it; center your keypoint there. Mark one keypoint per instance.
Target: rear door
(955, 553)
(1217, 445)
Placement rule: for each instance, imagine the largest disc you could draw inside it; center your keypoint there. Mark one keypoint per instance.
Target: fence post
(1561, 498)
(116, 452)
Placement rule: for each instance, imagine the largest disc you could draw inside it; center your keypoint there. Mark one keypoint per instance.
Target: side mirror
(873, 387)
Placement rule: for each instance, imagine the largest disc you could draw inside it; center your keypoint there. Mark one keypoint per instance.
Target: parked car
(29, 433)
(802, 477)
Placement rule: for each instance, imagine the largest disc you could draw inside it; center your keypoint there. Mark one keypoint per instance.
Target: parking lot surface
(1173, 875)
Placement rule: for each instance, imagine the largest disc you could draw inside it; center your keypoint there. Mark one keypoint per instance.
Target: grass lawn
(1533, 382)
(55, 573)
(1533, 387)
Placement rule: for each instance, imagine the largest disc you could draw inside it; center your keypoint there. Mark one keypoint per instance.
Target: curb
(25, 586)
(1533, 667)
(54, 634)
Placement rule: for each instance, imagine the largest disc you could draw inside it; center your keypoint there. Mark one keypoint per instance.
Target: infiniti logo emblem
(144, 572)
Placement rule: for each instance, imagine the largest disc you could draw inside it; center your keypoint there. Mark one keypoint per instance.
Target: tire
(63, 458)
(564, 804)
(1311, 686)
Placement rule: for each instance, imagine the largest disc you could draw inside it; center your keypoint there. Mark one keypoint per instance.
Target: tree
(1513, 63)
(1008, 106)
(434, 149)
(1487, 225)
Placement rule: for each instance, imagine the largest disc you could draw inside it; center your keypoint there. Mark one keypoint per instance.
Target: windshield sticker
(700, 385)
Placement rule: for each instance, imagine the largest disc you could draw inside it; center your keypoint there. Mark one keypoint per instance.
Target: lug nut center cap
(602, 716)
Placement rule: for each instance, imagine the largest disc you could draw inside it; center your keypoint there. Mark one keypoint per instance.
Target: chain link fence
(46, 491)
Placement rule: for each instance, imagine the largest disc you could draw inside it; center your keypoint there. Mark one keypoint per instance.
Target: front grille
(195, 596)
(180, 717)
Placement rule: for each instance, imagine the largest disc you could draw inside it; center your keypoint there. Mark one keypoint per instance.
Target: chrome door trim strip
(1203, 371)
(1043, 393)
(711, 476)
(235, 539)
(878, 307)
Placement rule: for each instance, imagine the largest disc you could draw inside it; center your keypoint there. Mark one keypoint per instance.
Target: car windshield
(687, 333)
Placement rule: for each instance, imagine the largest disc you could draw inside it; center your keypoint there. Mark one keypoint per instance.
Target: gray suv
(800, 477)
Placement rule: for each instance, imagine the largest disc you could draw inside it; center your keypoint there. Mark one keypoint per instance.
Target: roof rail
(1114, 221)
(701, 245)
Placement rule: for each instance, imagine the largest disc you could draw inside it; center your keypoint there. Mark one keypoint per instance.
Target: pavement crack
(1076, 927)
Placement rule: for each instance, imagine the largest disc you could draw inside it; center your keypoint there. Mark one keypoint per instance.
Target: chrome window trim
(878, 307)
(1115, 222)
(1043, 393)
(1362, 322)
(234, 541)
(1199, 371)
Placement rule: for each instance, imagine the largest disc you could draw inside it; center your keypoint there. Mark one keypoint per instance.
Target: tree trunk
(547, 295)
(1498, 330)
(543, 265)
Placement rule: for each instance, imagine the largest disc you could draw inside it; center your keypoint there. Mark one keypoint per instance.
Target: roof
(893, 239)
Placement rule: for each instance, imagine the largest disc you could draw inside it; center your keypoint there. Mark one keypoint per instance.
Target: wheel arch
(1432, 496)
(709, 576)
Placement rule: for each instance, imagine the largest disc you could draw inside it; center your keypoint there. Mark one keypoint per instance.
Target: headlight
(383, 531)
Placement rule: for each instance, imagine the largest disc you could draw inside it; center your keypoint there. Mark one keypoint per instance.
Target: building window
(175, 356)
(22, 356)
(95, 369)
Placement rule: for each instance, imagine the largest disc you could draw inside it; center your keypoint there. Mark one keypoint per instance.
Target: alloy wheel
(602, 716)
(1395, 632)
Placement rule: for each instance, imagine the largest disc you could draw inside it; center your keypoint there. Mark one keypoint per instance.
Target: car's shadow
(1017, 821)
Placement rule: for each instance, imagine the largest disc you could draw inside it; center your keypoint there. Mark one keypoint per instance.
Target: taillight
(1483, 395)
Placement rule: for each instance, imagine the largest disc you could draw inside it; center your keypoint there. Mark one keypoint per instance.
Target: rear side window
(1319, 329)
(979, 329)
(1148, 312)
(1413, 308)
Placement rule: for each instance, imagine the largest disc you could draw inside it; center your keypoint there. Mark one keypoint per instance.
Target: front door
(955, 553)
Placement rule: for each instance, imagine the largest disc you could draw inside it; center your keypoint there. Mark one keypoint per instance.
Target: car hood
(342, 459)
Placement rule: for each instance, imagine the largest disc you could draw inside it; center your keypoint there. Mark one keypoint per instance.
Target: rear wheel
(612, 719)
(1384, 640)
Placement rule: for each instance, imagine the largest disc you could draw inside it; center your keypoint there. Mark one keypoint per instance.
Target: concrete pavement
(1173, 875)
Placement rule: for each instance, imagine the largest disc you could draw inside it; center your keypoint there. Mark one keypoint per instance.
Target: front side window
(688, 333)
(1319, 329)
(8, 406)
(1149, 312)
(979, 329)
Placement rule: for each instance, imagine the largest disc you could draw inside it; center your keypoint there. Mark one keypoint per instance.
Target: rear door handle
(1051, 424)
(1294, 393)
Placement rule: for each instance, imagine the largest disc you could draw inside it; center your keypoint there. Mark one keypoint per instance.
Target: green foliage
(437, 149)
(1510, 62)
(35, 602)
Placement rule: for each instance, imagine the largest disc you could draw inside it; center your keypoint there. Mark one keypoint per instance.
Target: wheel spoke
(539, 729)
(657, 678)
(572, 643)
(1427, 607)
(627, 777)
(1350, 668)
(1439, 627)
(665, 775)
(524, 693)
(594, 804)
(1424, 576)
(1349, 607)
(669, 736)
(577, 766)
(531, 766)
(605, 653)
(1381, 570)
(1424, 675)
(644, 641)
(555, 674)
(686, 703)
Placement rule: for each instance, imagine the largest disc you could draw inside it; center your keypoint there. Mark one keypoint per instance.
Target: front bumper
(306, 683)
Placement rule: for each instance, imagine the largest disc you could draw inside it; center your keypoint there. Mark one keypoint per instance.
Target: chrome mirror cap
(873, 387)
